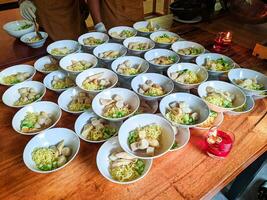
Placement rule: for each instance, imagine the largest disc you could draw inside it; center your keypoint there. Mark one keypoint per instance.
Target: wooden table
(185, 174)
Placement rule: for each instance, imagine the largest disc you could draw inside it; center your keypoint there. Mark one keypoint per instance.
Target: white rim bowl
(15, 69)
(12, 28)
(250, 103)
(166, 140)
(243, 73)
(134, 60)
(102, 160)
(67, 61)
(156, 34)
(155, 53)
(194, 102)
(39, 64)
(162, 80)
(106, 74)
(49, 78)
(46, 106)
(109, 47)
(129, 97)
(25, 39)
(84, 118)
(143, 24)
(65, 98)
(239, 100)
(119, 29)
(186, 44)
(70, 44)
(138, 39)
(182, 137)
(48, 138)
(98, 35)
(201, 59)
(11, 95)
(200, 71)
(154, 105)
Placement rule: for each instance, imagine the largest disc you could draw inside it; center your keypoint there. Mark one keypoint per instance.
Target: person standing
(61, 19)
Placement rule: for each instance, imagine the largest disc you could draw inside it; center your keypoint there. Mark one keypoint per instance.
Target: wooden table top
(185, 174)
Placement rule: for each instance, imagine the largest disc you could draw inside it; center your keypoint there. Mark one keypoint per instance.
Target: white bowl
(97, 35)
(109, 47)
(186, 44)
(217, 122)
(166, 140)
(46, 106)
(39, 64)
(74, 46)
(156, 34)
(243, 73)
(155, 53)
(249, 107)
(194, 102)
(49, 78)
(119, 29)
(65, 98)
(129, 97)
(11, 95)
(15, 69)
(239, 100)
(106, 74)
(102, 160)
(257, 97)
(182, 137)
(138, 39)
(67, 61)
(12, 28)
(200, 71)
(84, 118)
(48, 138)
(154, 105)
(162, 80)
(25, 39)
(134, 60)
(200, 60)
(143, 24)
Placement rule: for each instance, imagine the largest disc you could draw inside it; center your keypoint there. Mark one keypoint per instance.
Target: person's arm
(94, 8)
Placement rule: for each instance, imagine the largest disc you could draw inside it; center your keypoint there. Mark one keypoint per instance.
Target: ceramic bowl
(118, 30)
(65, 98)
(166, 139)
(200, 60)
(14, 70)
(200, 71)
(14, 28)
(127, 41)
(45, 106)
(157, 34)
(40, 63)
(134, 60)
(129, 97)
(155, 53)
(11, 95)
(139, 25)
(194, 102)
(238, 102)
(186, 44)
(84, 118)
(182, 137)
(65, 62)
(217, 122)
(162, 80)
(249, 105)
(49, 138)
(153, 105)
(102, 161)
(72, 45)
(243, 73)
(49, 78)
(25, 39)
(97, 35)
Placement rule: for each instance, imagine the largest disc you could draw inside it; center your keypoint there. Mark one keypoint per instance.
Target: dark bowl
(186, 10)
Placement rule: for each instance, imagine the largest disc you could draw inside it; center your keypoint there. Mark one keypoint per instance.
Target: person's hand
(100, 27)
(27, 10)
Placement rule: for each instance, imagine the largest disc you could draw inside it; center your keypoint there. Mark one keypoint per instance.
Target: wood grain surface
(185, 174)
